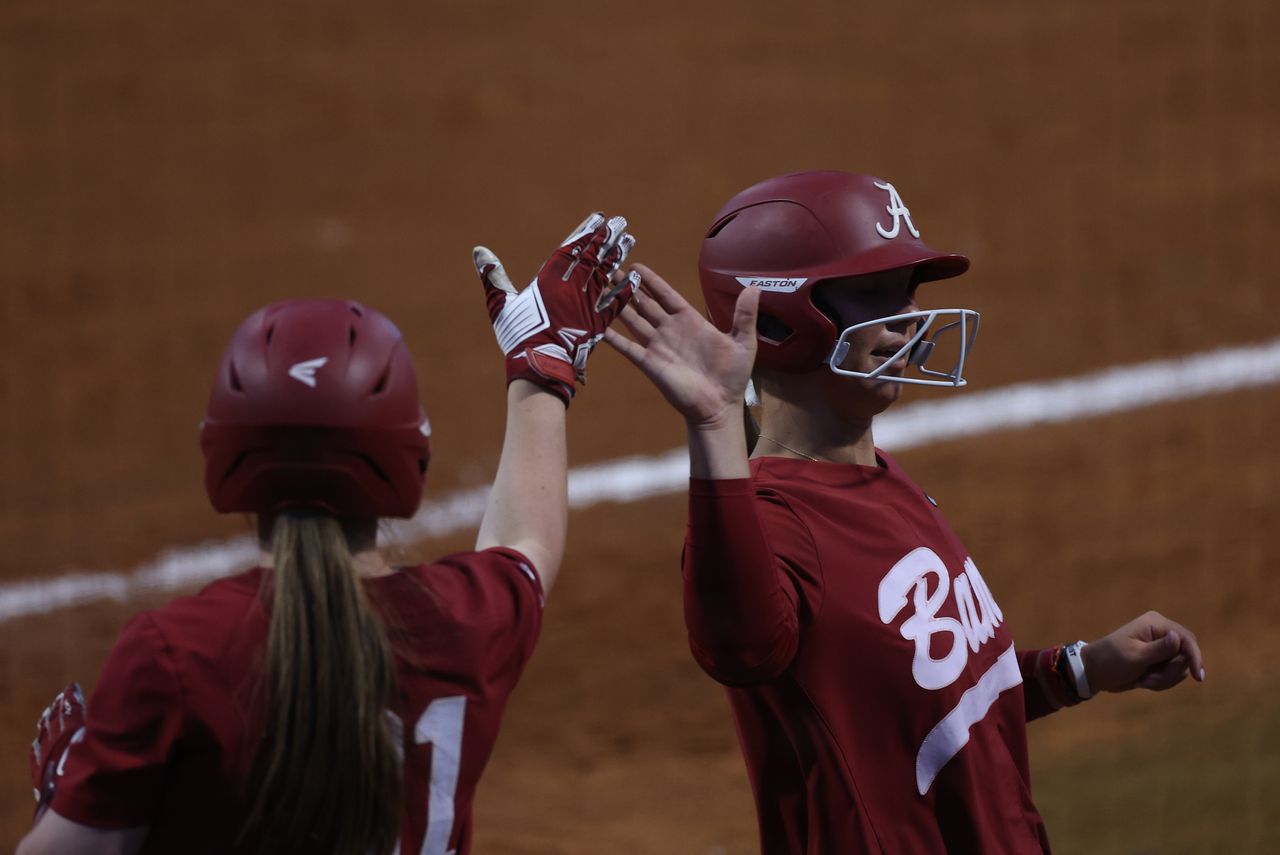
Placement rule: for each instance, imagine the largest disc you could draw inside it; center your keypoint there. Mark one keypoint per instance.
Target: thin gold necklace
(792, 450)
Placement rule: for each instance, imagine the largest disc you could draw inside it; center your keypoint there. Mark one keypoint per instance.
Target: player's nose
(904, 326)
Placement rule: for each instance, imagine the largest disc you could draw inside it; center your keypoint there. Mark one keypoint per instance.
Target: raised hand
(547, 331)
(701, 371)
(1149, 652)
(60, 726)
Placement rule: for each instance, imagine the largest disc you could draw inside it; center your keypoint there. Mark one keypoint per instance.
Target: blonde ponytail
(328, 771)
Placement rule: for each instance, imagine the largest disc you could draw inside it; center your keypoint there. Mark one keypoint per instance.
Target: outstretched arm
(528, 508)
(740, 606)
(546, 333)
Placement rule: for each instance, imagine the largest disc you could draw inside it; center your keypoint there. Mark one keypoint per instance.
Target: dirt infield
(1110, 170)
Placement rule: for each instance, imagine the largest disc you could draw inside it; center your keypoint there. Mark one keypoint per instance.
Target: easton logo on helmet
(785, 285)
(305, 372)
(898, 211)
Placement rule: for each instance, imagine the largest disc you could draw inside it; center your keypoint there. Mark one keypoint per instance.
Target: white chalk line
(630, 479)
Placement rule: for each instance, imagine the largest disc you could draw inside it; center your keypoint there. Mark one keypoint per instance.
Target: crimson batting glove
(548, 330)
(61, 725)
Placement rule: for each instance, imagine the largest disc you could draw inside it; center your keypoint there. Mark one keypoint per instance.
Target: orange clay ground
(1110, 170)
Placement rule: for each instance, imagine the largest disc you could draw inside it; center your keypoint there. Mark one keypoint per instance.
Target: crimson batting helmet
(788, 234)
(315, 405)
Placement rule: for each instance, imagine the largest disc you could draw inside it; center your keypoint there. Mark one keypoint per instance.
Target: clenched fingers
(1188, 646)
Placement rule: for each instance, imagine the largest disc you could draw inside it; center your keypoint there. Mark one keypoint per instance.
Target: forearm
(56, 834)
(528, 505)
(742, 626)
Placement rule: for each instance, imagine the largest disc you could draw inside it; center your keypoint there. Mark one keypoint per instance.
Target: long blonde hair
(327, 773)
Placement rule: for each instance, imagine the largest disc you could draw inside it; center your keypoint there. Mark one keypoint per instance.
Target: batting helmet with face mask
(788, 235)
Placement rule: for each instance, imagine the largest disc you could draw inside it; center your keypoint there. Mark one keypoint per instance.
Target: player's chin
(886, 392)
(886, 387)
(872, 395)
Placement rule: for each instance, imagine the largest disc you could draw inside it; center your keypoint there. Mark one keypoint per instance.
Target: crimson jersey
(170, 734)
(877, 694)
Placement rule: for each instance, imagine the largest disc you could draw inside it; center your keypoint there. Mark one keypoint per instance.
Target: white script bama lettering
(979, 614)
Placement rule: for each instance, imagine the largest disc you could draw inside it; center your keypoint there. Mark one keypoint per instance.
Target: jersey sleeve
(751, 580)
(115, 776)
(1043, 690)
(494, 597)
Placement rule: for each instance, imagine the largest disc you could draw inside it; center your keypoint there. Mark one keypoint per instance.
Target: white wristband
(1077, 670)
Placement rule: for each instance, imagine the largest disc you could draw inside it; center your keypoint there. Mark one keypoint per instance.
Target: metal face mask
(918, 349)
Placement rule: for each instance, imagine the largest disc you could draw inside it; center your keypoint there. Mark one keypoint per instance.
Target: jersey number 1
(440, 726)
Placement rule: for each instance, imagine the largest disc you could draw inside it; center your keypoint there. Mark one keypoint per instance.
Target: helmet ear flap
(772, 329)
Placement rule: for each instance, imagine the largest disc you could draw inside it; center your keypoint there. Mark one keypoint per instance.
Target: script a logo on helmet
(898, 211)
(305, 372)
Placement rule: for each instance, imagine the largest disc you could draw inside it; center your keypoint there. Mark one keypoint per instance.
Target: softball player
(326, 702)
(879, 698)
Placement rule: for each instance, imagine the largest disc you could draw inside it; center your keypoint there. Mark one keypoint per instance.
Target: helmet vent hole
(271, 331)
(355, 310)
(234, 377)
(422, 466)
(719, 227)
(771, 329)
(235, 464)
(351, 336)
(377, 470)
(382, 382)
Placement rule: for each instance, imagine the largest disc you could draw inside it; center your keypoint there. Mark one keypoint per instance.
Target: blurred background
(1110, 168)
